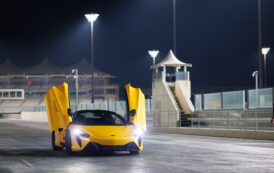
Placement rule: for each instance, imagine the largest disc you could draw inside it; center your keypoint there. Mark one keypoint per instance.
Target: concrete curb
(261, 135)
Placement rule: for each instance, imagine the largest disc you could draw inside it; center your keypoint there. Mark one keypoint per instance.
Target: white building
(171, 92)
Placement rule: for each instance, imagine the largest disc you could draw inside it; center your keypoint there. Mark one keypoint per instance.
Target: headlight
(80, 133)
(138, 132)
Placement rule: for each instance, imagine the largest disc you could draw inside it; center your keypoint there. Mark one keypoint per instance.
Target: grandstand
(36, 80)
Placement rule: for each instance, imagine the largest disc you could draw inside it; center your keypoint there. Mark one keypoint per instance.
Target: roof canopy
(46, 68)
(171, 60)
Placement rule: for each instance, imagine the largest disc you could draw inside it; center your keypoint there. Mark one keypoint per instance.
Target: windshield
(97, 117)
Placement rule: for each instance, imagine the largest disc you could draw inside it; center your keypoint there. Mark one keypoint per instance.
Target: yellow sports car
(93, 130)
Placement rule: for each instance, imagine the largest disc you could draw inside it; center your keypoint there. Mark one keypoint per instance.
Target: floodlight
(91, 17)
(265, 50)
(153, 53)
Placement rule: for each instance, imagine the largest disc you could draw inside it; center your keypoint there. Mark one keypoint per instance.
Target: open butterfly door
(57, 105)
(137, 108)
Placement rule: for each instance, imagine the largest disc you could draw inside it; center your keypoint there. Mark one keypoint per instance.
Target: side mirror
(69, 112)
(132, 112)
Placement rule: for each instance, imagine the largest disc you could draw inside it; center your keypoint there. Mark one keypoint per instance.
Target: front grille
(94, 146)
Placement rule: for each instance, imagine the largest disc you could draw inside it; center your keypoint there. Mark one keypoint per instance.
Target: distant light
(91, 17)
(255, 73)
(265, 50)
(153, 53)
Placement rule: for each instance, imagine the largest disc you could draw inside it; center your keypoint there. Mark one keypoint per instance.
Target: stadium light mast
(174, 27)
(91, 18)
(260, 43)
(265, 51)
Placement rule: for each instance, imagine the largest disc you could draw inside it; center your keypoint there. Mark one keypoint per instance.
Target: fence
(260, 98)
(34, 109)
(116, 106)
(119, 107)
(258, 119)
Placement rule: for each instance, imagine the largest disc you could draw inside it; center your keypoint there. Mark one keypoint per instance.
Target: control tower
(171, 92)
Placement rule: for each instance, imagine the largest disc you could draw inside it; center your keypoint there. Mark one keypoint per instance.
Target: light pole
(174, 27)
(153, 53)
(91, 18)
(255, 74)
(265, 51)
(260, 43)
(76, 86)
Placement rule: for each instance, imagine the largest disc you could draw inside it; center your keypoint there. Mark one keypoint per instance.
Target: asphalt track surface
(25, 147)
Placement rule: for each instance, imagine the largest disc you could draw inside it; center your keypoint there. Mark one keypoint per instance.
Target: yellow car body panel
(57, 104)
(136, 101)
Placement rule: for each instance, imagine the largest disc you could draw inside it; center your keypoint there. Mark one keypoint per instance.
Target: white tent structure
(171, 61)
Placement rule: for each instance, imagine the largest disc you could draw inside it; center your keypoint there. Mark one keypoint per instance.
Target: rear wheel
(54, 147)
(134, 152)
(68, 142)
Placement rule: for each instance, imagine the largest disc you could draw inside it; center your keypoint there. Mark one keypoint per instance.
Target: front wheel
(68, 142)
(134, 152)
(54, 147)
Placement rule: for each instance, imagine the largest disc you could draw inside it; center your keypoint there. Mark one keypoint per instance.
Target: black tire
(134, 152)
(54, 147)
(68, 142)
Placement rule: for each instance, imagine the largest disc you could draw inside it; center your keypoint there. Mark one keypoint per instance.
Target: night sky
(219, 38)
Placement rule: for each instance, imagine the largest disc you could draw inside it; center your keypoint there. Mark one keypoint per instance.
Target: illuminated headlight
(138, 132)
(79, 133)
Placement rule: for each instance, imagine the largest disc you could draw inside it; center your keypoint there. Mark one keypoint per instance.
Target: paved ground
(25, 147)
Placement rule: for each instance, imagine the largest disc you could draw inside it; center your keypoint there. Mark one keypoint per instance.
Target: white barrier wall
(34, 116)
(163, 100)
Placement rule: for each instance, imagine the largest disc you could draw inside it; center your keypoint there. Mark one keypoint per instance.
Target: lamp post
(76, 86)
(174, 27)
(91, 18)
(265, 51)
(260, 44)
(255, 74)
(153, 53)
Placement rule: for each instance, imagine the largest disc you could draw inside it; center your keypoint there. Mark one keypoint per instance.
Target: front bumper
(92, 146)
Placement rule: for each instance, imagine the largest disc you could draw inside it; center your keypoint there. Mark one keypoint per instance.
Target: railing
(171, 77)
(157, 76)
(34, 109)
(115, 106)
(181, 75)
(260, 98)
(258, 119)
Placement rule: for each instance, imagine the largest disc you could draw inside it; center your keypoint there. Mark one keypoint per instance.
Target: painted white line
(27, 163)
